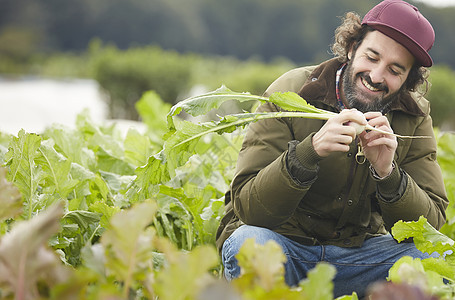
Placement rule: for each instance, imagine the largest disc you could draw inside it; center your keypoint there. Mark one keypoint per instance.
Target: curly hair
(350, 34)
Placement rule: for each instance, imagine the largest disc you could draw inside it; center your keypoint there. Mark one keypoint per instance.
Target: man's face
(375, 73)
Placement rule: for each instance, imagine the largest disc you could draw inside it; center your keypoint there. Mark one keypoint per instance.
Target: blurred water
(34, 104)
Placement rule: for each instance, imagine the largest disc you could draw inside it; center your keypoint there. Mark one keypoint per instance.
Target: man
(323, 193)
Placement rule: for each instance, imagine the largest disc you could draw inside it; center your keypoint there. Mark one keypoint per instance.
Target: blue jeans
(356, 267)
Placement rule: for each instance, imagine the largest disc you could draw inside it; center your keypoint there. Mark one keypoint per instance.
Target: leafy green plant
(183, 136)
(11, 198)
(436, 275)
(25, 258)
(124, 223)
(262, 276)
(126, 75)
(446, 157)
(440, 95)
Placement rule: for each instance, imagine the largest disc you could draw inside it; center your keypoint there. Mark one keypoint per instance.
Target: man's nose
(377, 74)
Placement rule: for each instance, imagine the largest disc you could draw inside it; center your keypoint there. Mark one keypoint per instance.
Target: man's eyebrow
(403, 68)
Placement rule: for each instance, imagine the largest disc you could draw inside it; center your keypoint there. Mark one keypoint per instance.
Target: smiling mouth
(369, 86)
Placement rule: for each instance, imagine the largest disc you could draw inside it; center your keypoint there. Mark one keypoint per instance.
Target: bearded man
(324, 193)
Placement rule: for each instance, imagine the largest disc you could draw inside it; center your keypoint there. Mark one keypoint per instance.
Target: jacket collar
(320, 87)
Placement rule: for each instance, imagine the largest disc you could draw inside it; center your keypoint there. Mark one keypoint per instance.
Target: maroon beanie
(404, 23)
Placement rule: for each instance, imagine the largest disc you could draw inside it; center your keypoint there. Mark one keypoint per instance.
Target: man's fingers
(352, 115)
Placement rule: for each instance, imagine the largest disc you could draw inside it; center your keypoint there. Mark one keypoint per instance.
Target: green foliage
(446, 157)
(261, 266)
(441, 96)
(152, 111)
(298, 30)
(126, 75)
(241, 75)
(182, 139)
(61, 65)
(89, 215)
(425, 237)
(202, 104)
(24, 256)
(17, 45)
(430, 273)
(11, 198)
(183, 136)
(190, 270)
(262, 276)
(318, 284)
(23, 170)
(49, 38)
(128, 245)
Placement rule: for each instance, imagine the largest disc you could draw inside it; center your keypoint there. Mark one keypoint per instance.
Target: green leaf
(427, 274)
(261, 265)
(84, 177)
(80, 282)
(319, 282)
(137, 148)
(114, 164)
(293, 102)
(348, 297)
(181, 143)
(23, 171)
(408, 270)
(262, 275)
(106, 212)
(129, 244)
(190, 210)
(426, 237)
(25, 258)
(10, 198)
(84, 219)
(107, 143)
(161, 166)
(440, 266)
(197, 206)
(56, 169)
(175, 219)
(186, 274)
(182, 138)
(99, 191)
(202, 104)
(93, 257)
(116, 182)
(152, 111)
(72, 144)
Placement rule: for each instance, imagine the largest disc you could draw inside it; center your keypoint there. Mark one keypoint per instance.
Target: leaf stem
(252, 117)
(369, 127)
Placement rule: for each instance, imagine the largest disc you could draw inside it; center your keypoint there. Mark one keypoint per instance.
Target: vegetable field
(94, 213)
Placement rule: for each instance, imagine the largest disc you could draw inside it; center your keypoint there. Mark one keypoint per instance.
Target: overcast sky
(438, 2)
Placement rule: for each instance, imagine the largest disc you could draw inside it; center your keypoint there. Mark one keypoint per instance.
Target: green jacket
(282, 184)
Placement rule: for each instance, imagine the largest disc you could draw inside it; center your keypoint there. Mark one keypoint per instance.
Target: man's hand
(379, 148)
(338, 132)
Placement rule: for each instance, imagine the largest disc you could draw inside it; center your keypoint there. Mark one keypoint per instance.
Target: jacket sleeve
(263, 191)
(424, 194)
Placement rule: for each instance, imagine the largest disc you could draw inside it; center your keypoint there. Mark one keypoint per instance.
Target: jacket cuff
(304, 172)
(392, 187)
(306, 154)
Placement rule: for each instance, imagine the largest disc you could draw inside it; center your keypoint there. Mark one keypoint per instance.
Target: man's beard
(361, 101)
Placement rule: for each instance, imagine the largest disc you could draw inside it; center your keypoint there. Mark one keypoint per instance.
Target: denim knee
(233, 244)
